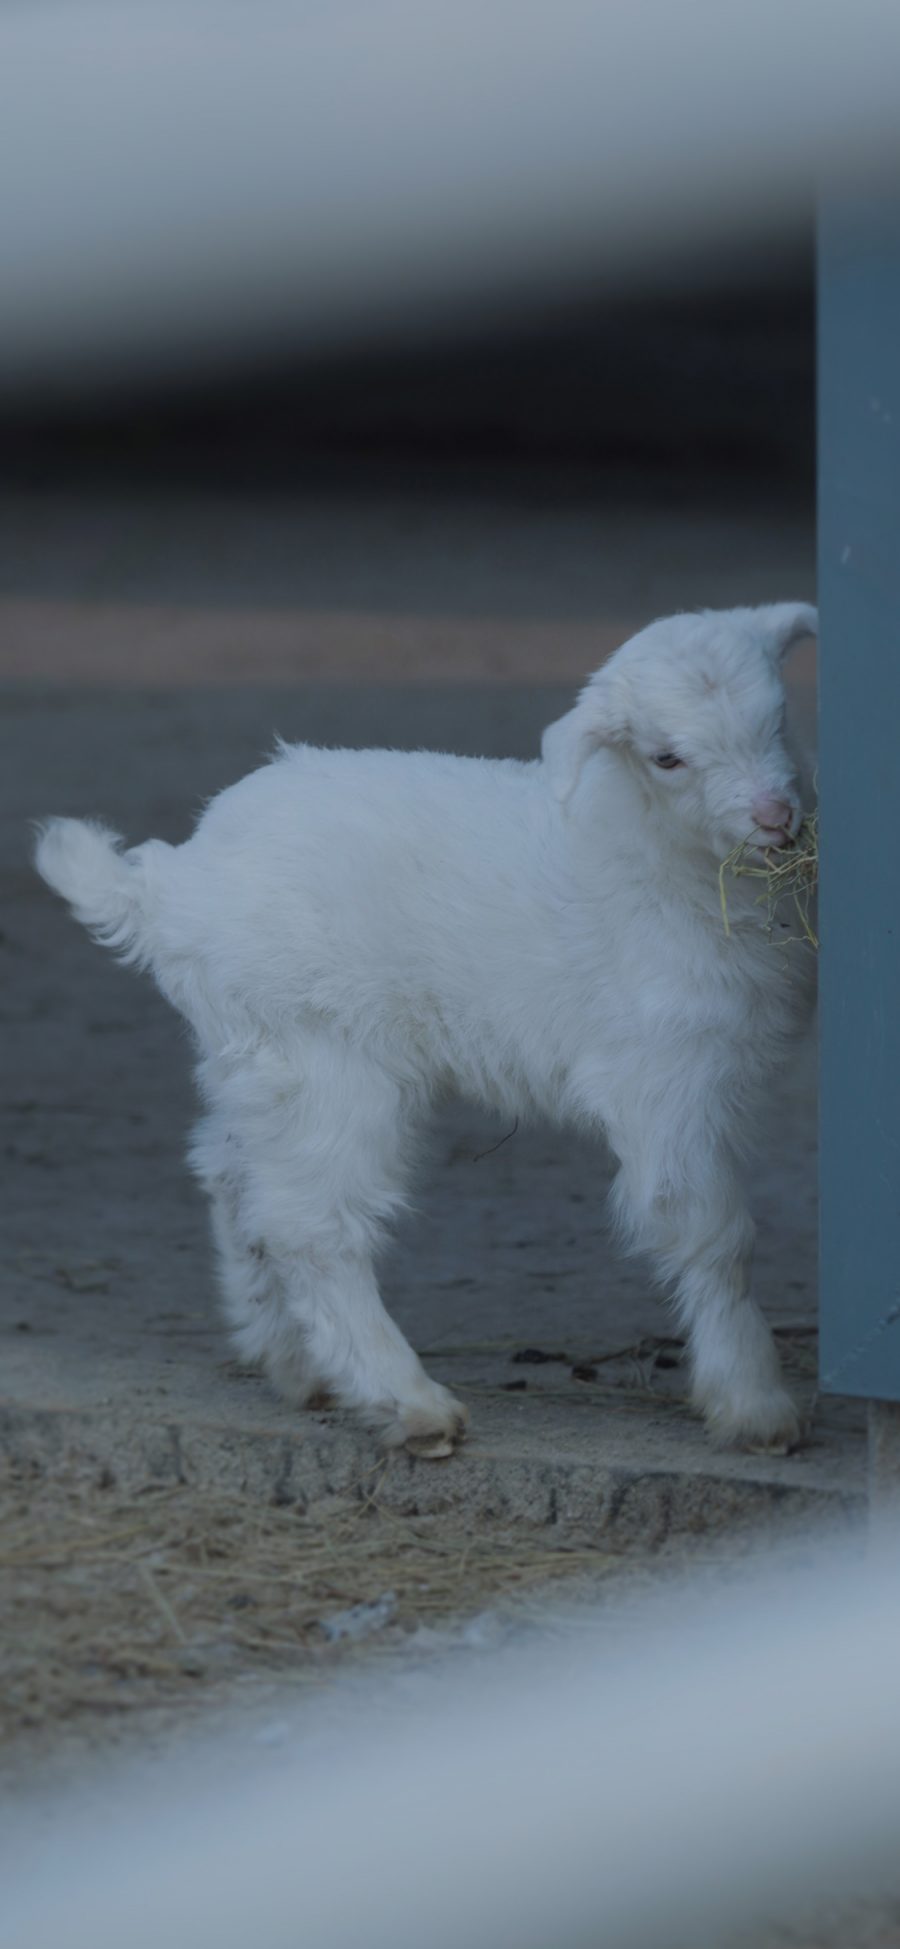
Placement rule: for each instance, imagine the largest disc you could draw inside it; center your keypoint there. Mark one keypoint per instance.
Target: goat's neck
(681, 865)
(659, 852)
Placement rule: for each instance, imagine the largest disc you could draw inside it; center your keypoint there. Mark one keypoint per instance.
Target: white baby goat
(350, 933)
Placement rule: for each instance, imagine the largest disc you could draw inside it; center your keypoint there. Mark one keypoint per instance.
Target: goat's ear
(786, 623)
(567, 744)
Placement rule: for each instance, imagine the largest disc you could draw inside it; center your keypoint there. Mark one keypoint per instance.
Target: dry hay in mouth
(788, 875)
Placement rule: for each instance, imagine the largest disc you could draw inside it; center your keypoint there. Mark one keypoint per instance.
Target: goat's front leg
(736, 1373)
(703, 1244)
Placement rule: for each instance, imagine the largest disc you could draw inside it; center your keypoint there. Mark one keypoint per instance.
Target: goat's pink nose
(776, 815)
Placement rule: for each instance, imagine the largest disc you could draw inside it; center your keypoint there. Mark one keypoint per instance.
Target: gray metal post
(859, 787)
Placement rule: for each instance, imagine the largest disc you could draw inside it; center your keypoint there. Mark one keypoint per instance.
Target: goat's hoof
(430, 1432)
(430, 1448)
(771, 1427)
(785, 1444)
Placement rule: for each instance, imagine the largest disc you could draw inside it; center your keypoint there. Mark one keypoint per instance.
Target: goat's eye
(667, 761)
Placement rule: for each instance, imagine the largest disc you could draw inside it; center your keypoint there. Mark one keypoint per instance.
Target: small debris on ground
(361, 1619)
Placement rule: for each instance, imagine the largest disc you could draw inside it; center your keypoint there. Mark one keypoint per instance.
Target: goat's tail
(111, 893)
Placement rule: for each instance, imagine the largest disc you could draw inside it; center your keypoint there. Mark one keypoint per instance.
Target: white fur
(351, 933)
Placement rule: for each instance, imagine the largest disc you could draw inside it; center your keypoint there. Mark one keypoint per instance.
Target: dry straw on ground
(112, 1601)
(788, 878)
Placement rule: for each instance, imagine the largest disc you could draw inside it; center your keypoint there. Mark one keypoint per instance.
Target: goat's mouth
(764, 840)
(772, 839)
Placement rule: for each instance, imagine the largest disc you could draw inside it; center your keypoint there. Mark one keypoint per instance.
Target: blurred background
(501, 501)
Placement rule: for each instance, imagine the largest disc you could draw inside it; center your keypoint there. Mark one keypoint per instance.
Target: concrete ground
(149, 649)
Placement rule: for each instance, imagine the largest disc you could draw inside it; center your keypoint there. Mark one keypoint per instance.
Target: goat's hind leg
(262, 1331)
(320, 1171)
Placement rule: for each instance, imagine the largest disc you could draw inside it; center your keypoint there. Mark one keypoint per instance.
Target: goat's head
(695, 705)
